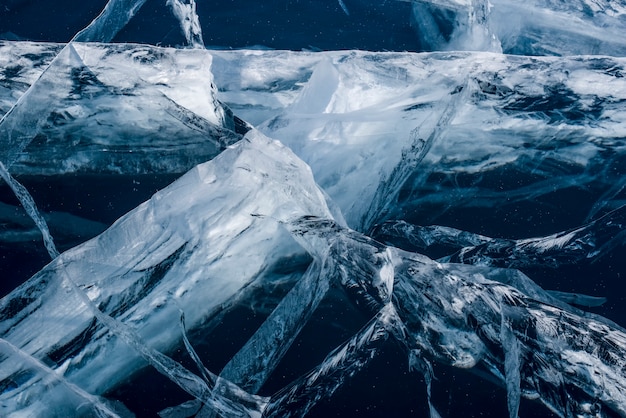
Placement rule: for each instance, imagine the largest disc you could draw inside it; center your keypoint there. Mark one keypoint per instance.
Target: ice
(185, 12)
(424, 366)
(534, 118)
(163, 256)
(298, 398)
(434, 311)
(467, 140)
(21, 122)
(582, 244)
(418, 238)
(192, 384)
(428, 33)
(111, 20)
(316, 97)
(512, 366)
(578, 299)
(270, 342)
(568, 247)
(343, 6)
(542, 27)
(130, 110)
(477, 34)
(352, 119)
(92, 108)
(98, 407)
(182, 249)
(23, 63)
(412, 156)
(31, 208)
(68, 75)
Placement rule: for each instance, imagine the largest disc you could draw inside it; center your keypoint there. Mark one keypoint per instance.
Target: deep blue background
(279, 24)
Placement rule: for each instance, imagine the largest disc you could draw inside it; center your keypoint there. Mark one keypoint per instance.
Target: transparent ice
(542, 27)
(305, 176)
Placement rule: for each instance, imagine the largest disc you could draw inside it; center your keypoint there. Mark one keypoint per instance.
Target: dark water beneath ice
(98, 198)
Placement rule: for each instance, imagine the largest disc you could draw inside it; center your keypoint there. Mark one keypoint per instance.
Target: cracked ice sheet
(380, 98)
(520, 112)
(182, 248)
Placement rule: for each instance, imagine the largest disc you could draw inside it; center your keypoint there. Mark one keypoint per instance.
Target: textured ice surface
(180, 250)
(255, 240)
(543, 27)
(378, 130)
(118, 109)
(177, 251)
(436, 125)
(469, 317)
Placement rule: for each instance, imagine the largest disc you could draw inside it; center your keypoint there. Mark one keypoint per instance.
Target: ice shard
(584, 243)
(110, 21)
(189, 22)
(31, 209)
(159, 262)
(470, 317)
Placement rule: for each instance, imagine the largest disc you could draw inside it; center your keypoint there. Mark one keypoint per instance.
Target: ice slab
(495, 130)
(543, 27)
(113, 108)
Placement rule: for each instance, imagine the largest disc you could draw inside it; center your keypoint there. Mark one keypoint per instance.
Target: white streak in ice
(186, 14)
(28, 203)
